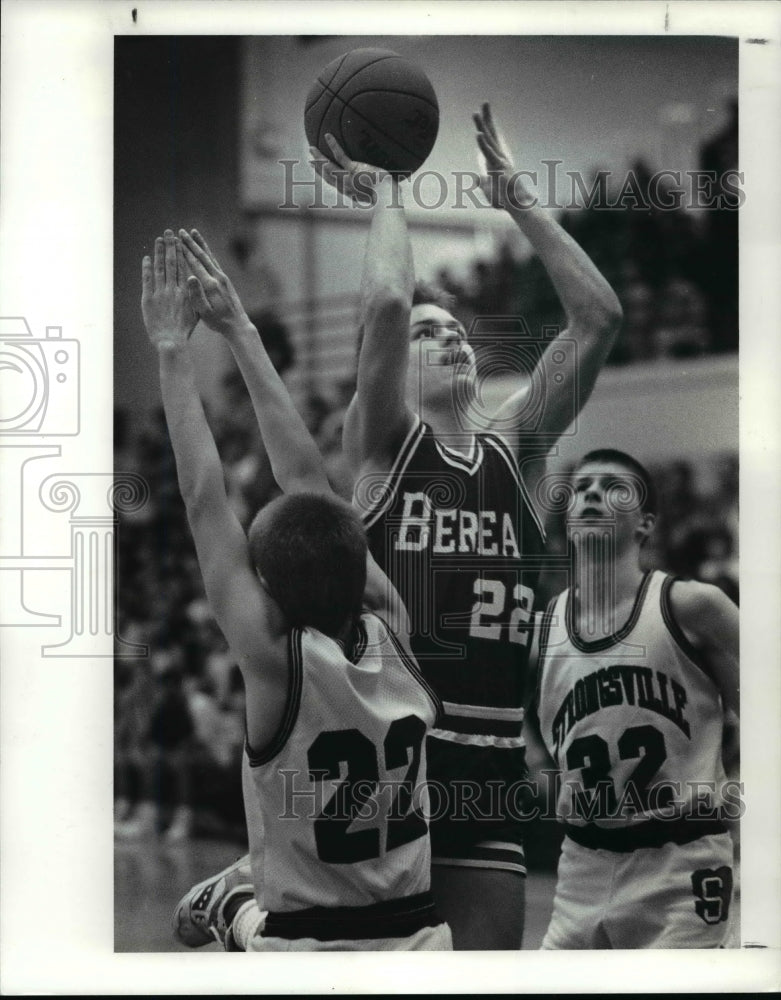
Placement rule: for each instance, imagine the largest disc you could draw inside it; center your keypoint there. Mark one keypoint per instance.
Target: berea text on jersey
(450, 530)
(621, 685)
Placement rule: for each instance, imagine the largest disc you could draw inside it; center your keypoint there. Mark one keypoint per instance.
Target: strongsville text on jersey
(618, 685)
(361, 802)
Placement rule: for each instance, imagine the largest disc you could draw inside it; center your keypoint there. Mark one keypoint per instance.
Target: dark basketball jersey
(461, 542)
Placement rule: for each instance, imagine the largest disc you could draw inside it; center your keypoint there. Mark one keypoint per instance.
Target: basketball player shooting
(637, 707)
(452, 518)
(304, 610)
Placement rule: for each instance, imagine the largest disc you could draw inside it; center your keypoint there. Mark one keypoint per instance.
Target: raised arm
(592, 310)
(378, 417)
(295, 459)
(247, 617)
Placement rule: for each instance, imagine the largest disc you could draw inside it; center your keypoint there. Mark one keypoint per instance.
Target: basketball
(380, 107)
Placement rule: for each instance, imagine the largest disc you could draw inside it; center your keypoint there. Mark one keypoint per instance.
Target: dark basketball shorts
(479, 803)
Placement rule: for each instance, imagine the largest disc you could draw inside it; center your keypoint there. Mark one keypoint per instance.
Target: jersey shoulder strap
(410, 665)
(374, 493)
(675, 630)
(544, 637)
(292, 704)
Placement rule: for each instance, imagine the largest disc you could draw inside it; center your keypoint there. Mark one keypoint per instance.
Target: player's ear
(645, 527)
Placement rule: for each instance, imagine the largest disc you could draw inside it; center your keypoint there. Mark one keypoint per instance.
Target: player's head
(612, 487)
(441, 364)
(310, 551)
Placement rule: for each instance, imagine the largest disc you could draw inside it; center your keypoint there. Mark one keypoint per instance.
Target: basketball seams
(325, 85)
(405, 93)
(311, 112)
(326, 89)
(373, 125)
(361, 68)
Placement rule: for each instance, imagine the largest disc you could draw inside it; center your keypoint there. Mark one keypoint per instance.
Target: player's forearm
(198, 465)
(388, 283)
(388, 275)
(588, 300)
(388, 265)
(296, 462)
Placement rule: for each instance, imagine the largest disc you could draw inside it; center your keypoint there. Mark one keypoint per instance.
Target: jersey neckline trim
(598, 645)
(360, 643)
(467, 463)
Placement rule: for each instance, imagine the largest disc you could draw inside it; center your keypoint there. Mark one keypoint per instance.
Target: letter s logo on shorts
(713, 891)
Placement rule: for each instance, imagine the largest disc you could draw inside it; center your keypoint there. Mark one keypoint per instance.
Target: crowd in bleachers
(675, 274)
(674, 270)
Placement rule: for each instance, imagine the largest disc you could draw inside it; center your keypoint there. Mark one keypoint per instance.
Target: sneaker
(199, 917)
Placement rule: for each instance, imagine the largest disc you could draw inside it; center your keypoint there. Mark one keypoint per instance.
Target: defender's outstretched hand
(211, 291)
(165, 305)
(356, 180)
(498, 163)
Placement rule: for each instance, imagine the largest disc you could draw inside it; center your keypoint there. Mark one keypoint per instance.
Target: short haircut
(311, 551)
(613, 455)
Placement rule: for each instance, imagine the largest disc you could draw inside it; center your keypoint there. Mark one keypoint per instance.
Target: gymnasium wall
(660, 411)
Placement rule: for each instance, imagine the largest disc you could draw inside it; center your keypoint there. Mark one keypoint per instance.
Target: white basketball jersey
(340, 791)
(632, 720)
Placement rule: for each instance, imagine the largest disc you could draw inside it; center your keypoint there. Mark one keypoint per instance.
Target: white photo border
(56, 911)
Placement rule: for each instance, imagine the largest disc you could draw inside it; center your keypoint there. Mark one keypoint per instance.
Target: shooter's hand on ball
(497, 160)
(357, 180)
(165, 305)
(211, 291)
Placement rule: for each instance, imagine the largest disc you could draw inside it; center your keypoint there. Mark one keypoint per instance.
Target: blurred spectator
(636, 341)
(165, 759)
(133, 693)
(681, 331)
(719, 564)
